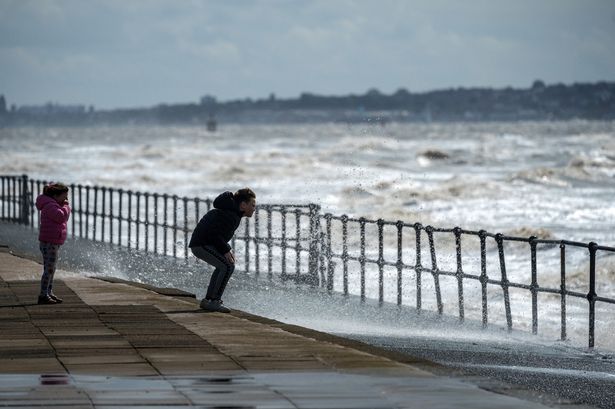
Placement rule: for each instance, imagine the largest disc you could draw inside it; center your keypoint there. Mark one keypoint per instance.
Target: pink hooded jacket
(53, 220)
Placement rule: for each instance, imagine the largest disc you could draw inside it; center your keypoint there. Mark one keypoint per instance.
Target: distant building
(2, 105)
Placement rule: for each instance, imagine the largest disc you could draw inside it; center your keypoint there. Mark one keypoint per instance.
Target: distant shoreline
(540, 102)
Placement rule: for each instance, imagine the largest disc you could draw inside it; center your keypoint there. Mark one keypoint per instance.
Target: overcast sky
(127, 53)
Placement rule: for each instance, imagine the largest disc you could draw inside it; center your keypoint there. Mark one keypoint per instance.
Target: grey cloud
(118, 53)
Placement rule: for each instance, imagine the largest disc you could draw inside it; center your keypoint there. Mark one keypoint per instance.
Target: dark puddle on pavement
(51, 379)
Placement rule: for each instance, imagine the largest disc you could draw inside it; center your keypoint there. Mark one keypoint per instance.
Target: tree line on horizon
(594, 101)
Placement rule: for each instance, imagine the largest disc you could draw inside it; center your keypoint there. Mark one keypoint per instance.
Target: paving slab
(31, 365)
(115, 345)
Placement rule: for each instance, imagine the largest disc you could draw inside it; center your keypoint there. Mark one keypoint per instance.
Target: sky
(139, 53)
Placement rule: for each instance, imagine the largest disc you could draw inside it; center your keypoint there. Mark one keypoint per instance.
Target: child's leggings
(50, 256)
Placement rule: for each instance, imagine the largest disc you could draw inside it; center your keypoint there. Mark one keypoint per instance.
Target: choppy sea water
(549, 179)
(556, 178)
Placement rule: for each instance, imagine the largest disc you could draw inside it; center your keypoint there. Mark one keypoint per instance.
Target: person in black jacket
(210, 239)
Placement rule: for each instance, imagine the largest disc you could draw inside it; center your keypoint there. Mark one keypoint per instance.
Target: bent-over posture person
(210, 239)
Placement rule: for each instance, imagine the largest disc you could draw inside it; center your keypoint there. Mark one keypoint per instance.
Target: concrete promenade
(118, 345)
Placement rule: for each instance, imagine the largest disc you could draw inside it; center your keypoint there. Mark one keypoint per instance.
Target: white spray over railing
(373, 259)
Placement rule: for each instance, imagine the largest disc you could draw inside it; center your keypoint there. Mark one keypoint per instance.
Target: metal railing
(162, 224)
(387, 261)
(414, 247)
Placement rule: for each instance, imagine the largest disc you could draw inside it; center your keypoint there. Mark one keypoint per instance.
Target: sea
(550, 179)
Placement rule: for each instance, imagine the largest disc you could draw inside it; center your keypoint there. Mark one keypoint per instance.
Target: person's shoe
(45, 299)
(205, 304)
(213, 306)
(222, 308)
(56, 299)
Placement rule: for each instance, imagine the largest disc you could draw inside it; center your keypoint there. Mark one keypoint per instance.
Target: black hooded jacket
(218, 225)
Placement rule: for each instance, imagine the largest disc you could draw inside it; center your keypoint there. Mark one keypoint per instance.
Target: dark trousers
(222, 273)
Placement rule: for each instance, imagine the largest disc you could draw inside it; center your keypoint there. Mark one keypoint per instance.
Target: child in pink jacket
(55, 211)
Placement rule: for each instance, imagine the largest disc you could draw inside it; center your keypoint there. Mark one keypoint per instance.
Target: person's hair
(54, 189)
(244, 195)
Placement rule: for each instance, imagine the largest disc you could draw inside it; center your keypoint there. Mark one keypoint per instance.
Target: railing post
(111, 216)
(380, 261)
(12, 198)
(247, 246)
(330, 265)
(24, 201)
(459, 272)
(146, 222)
(32, 199)
(257, 247)
(418, 268)
(3, 198)
(362, 259)
(562, 250)
(345, 253)
(434, 269)
(155, 197)
(591, 295)
(298, 245)
(283, 244)
(314, 240)
(80, 211)
(175, 198)
(95, 213)
(269, 244)
(534, 285)
(138, 219)
(185, 202)
(322, 259)
(120, 192)
(165, 205)
(129, 218)
(400, 262)
(104, 215)
(197, 211)
(504, 282)
(483, 275)
(87, 212)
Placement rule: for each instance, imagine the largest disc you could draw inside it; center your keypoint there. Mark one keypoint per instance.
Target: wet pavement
(116, 345)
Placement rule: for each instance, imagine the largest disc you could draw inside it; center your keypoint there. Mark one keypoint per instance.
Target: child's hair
(54, 189)
(244, 195)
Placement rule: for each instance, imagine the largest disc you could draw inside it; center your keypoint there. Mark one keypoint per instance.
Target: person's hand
(230, 257)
